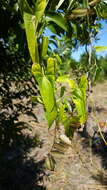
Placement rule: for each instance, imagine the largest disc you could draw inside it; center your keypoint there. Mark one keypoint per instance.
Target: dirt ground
(81, 166)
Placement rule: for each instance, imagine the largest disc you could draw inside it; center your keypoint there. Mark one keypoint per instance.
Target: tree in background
(102, 61)
(14, 56)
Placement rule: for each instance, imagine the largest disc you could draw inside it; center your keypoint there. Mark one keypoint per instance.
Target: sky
(101, 42)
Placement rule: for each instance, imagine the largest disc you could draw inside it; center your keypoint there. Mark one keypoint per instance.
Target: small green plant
(68, 110)
(76, 106)
(45, 70)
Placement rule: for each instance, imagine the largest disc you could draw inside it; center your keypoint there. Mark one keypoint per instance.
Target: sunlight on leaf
(37, 72)
(40, 6)
(51, 116)
(47, 94)
(29, 21)
(100, 48)
(45, 41)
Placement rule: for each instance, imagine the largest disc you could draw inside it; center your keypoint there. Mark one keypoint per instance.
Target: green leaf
(78, 95)
(40, 6)
(52, 28)
(75, 121)
(29, 21)
(97, 75)
(83, 84)
(74, 26)
(51, 116)
(80, 11)
(69, 131)
(100, 48)
(36, 99)
(85, 4)
(66, 79)
(79, 98)
(58, 19)
(58, 58)
(63, 78)
(37, 72)
(80, 104)
(51, 70)
(51, 66)
(71, 125)
(47, 94)
(45, 41)
(61, 113)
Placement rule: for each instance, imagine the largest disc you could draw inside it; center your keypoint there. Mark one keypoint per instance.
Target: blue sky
(101, 42)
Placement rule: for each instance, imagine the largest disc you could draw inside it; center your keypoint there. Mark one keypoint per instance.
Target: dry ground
(81, 167)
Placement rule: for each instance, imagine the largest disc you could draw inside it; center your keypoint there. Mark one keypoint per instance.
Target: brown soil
(82, 166)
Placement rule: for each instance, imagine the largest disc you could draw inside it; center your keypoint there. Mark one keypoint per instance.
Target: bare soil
(82, 166)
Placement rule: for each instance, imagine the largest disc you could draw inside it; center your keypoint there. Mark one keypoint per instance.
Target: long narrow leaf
(100, 48)
(47, 94)
(37, 72)
(51, 70)
(51, 66)
(40, 6)
(85, 3)
(71, 1)
(29, 21)
(45, 41)
(58, 19)
(51, 116)
(59, 4)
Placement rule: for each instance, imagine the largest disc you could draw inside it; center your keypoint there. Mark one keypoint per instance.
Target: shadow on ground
(17, 171)
(20, 173)
(98, 148)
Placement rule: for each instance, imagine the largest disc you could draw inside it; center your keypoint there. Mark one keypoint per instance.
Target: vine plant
(70, 111)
